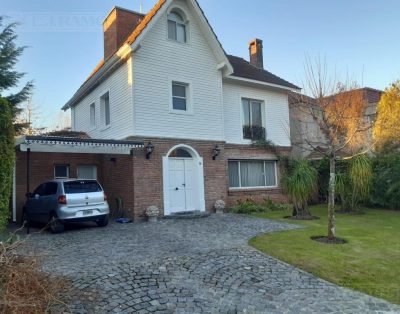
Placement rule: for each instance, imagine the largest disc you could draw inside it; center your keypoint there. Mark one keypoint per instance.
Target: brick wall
(148, 180)
(140, 181)
(117, 181)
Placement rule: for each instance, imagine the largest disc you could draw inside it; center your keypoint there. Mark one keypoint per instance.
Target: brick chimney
(256, 53)
(117, 26)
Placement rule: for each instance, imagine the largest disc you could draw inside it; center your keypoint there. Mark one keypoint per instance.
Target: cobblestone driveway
(189, 266)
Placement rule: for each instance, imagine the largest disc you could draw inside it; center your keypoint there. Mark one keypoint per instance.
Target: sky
(359, 39)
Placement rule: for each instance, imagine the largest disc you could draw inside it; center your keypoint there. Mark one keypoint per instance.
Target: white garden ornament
(219, 206)
(152, 213)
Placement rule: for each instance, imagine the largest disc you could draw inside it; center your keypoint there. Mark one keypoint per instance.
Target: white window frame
(189, 96)
(92, 119)
(60, 165)
(254, 187)
(103, 110)
(179, 11)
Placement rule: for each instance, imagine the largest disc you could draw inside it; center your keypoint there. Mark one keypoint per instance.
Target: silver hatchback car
(57, 202)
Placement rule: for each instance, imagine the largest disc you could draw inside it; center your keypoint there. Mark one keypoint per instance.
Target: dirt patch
(324, 239)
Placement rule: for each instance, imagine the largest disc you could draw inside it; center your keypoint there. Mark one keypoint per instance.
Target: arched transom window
(176, 27)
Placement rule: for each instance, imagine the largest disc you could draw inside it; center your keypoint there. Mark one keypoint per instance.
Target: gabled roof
(245, 69)
(239, 67)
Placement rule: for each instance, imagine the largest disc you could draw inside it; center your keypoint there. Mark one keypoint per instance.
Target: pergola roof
(57, 144)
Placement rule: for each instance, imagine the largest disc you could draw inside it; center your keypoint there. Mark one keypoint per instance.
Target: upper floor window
(176, 27)
(105, 109)
(253, 119)
(179, 96)
(92, 115)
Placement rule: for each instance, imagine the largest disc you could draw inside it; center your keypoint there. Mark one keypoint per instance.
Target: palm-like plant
(360, 174)
(300, 183)
(353, 184)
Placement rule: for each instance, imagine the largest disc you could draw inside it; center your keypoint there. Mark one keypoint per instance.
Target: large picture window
(252, 173)
(253, 119)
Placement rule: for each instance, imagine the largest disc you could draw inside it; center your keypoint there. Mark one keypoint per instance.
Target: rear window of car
(82, 186)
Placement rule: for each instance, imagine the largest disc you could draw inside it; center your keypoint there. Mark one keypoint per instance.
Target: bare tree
(30, 118)
(337, 109)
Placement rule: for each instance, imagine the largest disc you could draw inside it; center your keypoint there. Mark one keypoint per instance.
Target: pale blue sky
(358, 37)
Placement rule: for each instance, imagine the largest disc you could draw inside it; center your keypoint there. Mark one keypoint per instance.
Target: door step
(188, 215)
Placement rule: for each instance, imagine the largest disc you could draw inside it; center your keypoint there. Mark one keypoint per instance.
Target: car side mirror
(29, 195)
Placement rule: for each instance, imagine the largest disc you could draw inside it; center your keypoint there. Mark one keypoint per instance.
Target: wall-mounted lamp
(216, 151)
(113, 160)
(149, 150)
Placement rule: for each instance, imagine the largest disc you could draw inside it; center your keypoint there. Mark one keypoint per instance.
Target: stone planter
(152, 213)
(152, 218)
(219, 206)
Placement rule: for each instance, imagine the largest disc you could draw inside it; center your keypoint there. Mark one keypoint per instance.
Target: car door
(33, 204)
(48, 201)
(42, 202)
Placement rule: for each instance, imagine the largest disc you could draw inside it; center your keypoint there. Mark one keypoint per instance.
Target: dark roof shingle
(245, 69)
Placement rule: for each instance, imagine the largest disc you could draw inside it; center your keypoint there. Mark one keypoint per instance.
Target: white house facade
(166, 81)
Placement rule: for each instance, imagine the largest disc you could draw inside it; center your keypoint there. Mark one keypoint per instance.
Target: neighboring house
(305, 132)
(173, 117)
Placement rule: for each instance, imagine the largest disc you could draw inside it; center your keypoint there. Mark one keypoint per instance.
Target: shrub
(386, 179)
(6, 160)
(249, 206)
(300, 183)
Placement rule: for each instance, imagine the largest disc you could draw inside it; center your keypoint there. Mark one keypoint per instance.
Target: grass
(369, 262)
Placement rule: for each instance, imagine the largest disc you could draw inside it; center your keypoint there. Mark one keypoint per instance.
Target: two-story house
(171, 117)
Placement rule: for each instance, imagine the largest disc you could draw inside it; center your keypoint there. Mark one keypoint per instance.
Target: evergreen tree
(9, 77)
(9, 110)
(6, 159)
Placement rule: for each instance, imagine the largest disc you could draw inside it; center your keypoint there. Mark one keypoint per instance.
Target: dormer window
(176, 27)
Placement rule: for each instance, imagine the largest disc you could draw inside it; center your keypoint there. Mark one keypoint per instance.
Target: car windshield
(81, 186)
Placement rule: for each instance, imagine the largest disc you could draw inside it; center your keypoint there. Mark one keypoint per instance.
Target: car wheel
(55, 225)
(103, 221)
(26, 221)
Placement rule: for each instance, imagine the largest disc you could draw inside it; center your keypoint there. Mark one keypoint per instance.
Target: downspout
(28, 153)
(14, 196)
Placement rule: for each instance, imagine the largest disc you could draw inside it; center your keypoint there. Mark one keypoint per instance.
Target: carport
(40, 158)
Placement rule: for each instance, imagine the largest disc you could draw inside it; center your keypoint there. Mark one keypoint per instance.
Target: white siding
(119, 87)
(156, 64)
(276, 113)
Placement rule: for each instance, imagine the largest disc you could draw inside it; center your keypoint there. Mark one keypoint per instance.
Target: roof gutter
(109, 67)
(250, 81)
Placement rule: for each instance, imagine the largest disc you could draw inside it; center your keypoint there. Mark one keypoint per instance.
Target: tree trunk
(301, 211)
(331, 199)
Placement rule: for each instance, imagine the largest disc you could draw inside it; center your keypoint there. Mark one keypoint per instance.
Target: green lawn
(369, 262)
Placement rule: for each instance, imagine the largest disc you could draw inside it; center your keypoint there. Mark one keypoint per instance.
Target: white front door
(182, 185)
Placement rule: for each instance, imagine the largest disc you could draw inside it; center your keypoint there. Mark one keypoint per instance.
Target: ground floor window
(252, 173)
(61, 171)
(87, 172)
